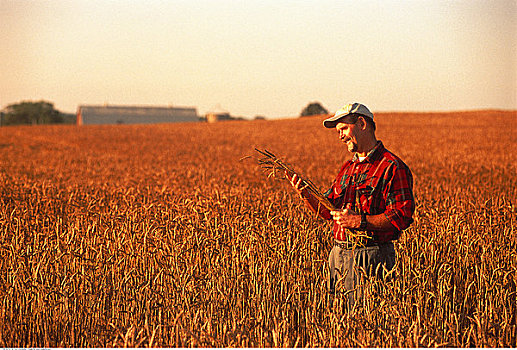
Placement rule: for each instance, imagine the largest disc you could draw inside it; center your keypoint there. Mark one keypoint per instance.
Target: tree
(27, 112)
(313, 108)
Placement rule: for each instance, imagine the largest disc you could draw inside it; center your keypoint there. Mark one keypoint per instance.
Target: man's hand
(297, 184)
(347, 218)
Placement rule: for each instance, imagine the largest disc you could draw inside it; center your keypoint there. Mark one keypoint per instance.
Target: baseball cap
(352, 108)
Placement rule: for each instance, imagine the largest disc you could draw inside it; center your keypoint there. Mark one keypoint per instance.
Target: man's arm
(311, 201)
(350, 219)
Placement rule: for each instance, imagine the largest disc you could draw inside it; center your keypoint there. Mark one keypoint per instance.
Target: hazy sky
(266, 58)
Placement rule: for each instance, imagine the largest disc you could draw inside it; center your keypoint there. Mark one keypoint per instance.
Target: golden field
(160, 236)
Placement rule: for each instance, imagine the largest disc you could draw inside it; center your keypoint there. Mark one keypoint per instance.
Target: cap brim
(332, 121)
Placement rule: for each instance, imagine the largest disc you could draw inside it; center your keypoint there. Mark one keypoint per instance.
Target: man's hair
(353, 118)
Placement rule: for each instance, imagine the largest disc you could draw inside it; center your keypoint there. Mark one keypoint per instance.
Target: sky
(268, 58)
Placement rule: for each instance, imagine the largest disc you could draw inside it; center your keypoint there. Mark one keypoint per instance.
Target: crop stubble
(160, 236)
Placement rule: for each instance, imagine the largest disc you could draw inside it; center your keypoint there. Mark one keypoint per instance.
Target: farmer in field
(374, 194)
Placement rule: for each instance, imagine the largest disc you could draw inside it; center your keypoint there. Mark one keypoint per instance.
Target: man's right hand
(297, 184)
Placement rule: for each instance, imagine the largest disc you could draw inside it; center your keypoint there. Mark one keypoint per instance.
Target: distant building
(87, 115)
(212, 117)
(217, 114)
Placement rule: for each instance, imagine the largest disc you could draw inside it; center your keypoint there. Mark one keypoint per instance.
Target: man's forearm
(314, 205)
(378, 223)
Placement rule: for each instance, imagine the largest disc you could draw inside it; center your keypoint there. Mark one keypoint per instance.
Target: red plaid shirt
(381, 183)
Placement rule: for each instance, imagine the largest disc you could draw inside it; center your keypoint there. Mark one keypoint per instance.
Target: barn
(88, 115)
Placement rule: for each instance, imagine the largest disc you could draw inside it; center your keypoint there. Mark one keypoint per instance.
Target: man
(374, 194)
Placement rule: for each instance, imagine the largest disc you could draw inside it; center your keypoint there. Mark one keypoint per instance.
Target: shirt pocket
(364, 197)
(370, 197)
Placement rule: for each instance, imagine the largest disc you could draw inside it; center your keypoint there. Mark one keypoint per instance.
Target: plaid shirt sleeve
(400, 204)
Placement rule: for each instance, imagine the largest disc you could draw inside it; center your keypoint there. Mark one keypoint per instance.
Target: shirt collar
(370, 156)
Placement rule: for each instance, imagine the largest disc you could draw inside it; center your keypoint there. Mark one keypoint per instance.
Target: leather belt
(349, 245)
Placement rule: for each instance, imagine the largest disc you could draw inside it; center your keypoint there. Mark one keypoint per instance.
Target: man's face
(348, 133)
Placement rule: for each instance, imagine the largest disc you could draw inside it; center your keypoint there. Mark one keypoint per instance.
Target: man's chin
(352, 147)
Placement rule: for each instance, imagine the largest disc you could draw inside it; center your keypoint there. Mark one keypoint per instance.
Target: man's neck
(368, 146)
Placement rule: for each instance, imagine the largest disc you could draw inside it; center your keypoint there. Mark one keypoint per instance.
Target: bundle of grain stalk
(273, 165)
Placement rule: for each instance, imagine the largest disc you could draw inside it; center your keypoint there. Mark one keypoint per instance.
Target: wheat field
(161, 236)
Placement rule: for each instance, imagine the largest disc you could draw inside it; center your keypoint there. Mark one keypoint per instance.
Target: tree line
(34, 113)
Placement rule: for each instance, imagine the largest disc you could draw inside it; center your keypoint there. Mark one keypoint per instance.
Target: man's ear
(363, 123)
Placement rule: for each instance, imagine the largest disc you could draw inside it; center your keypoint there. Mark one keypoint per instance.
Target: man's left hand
(347, 218)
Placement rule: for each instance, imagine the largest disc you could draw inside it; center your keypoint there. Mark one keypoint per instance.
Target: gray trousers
(348, 266)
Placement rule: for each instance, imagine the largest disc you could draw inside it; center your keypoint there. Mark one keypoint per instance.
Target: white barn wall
(90, 115)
